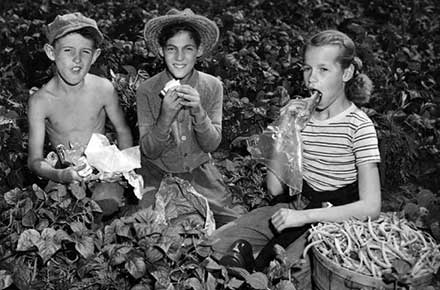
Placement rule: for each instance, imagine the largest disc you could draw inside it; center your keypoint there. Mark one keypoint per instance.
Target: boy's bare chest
(71, 114)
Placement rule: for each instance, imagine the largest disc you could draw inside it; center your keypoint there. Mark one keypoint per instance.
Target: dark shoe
(239, 255)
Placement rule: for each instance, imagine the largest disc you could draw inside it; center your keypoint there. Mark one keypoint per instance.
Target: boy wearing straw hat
(180, 111)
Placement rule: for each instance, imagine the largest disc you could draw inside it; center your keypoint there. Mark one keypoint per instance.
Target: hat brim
(208, 30)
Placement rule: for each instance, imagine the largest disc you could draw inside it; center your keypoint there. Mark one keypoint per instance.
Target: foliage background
(258, 60)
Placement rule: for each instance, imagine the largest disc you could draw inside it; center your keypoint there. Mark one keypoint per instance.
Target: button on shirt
(188, 143)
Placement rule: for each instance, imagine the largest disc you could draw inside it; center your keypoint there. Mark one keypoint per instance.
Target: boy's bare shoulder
(100, 83)
(42, 95)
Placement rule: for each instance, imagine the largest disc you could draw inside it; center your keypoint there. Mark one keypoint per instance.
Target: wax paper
(280, 147)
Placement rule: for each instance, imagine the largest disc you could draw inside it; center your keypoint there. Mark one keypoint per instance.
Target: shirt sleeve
(365, 144)
(208, 130)
(152, 140)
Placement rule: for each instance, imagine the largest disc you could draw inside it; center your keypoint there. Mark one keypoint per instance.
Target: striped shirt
(334, 148)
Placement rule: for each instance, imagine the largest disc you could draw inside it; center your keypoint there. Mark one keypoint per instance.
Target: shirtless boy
(74, 103)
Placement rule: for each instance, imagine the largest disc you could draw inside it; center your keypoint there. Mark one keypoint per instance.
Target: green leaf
(210, 264)
(239, 272)
(42, 224)
(13, 196)
(27, 205)
(39, 193)
(27, 240)
(48, 244)
(162, 278)
(119, 254)
(109, 233)
(77, 191)
(203, 251)
(211, 282)
(411, 211)
(65, 203)
(193, 283)
(57, 192)
(234, 283)
(29, 219)
(153, 254)
(122, 229)
(94, 206)
(85, 246)
(136, 266)
(257, 280)
(78, 227)
(142, 230)
(5, 279)
(47, 213)
(285, 285)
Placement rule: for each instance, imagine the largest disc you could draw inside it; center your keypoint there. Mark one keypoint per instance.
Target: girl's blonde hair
(358, 89)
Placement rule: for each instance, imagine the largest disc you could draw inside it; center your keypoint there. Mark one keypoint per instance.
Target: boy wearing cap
(74, 104)
(180, 111)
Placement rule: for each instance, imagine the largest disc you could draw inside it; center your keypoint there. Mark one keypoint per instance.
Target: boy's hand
(110, 177)
(171, 104)
(190, 98)
(69, 175)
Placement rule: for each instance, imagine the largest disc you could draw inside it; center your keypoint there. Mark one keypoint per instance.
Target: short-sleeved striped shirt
(334, 148)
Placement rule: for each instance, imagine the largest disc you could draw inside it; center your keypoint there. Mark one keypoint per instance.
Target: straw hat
(208, 30)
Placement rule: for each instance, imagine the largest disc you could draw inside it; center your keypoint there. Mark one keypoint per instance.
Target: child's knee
(113, 191)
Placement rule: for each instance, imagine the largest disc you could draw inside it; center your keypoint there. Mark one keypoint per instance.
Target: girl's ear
(161, 52)
(50, 51)
(348, 73)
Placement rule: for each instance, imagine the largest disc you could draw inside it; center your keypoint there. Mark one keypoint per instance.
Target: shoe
(240, 255)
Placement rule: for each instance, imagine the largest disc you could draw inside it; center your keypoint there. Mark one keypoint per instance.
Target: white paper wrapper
(170, 84)
(108, 158)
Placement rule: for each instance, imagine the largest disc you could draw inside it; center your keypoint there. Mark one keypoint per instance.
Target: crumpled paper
(178, 202)
(108, 158)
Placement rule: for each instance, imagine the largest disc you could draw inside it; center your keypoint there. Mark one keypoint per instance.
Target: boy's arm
(369, 204)
(116, 115)
(36, 161)
(208, 122)
(154, 137)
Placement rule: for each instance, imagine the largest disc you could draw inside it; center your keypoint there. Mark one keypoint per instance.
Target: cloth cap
(63, 24)
(208, 30)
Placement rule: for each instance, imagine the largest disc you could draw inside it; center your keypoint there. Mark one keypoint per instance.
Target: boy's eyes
(84, 51)
(321, 69)
(186, 48)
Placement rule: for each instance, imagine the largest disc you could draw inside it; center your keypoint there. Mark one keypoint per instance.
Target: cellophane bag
(280, 147)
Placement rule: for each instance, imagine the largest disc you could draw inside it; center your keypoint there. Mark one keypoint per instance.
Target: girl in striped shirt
(340, 157)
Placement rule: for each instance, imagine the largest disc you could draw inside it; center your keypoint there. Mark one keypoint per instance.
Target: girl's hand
(190, 98)
(288, 218)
